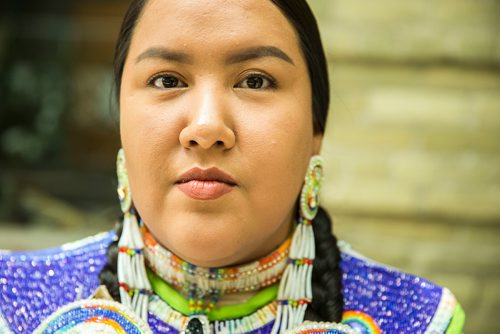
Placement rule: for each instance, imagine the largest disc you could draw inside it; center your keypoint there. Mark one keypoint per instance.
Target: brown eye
(167, 82)
(256, 82)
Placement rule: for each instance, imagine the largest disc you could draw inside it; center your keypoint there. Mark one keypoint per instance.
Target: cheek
(277, 154)
(146, 125)
(149, 139)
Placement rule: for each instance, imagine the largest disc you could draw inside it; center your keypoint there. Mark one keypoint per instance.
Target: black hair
(327, 303)
(123, 43)
(301, 17)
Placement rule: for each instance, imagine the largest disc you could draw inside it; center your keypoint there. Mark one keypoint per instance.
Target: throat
(204, 290)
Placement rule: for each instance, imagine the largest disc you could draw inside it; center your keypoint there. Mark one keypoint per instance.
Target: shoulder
(34, 284)
(382, 299)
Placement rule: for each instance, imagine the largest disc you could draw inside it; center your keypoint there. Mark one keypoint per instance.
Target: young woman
(223, 107)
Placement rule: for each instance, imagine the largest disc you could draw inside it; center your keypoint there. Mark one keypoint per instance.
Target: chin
(205, 244)
(209, 254)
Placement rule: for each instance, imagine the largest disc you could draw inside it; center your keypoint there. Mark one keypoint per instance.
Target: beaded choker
(204, 286)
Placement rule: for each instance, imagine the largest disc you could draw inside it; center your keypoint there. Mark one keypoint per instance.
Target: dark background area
(58, 120)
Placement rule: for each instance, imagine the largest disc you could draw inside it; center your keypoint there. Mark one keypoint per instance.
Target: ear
(316, 144)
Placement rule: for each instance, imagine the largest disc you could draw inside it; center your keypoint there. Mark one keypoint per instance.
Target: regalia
(50, 291)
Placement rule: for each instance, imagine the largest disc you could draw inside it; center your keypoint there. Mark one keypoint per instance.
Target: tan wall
(413, 140)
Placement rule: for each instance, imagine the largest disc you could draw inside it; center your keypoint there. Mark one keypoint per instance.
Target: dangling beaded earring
(132, 278)
(295, 291)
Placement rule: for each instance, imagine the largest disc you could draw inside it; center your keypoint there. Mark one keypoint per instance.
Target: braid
(327, 303)
(108, 275)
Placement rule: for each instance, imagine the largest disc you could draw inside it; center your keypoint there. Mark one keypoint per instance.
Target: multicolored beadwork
(295, 290)
(134, 291)
(360, 321)
(123, 188)
(130, 251)
(310, 327)
(204, 286)
(397, 302)
(133, 282)
(156, 254)
(309, 197)
(257, 322)
(91, 316)
(33, 285)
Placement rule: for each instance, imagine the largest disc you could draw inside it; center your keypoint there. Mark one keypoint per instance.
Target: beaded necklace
(204, 286)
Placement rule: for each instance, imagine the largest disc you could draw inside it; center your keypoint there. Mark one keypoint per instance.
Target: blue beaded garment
(377, 299)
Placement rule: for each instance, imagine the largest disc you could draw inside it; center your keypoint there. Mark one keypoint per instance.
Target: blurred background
(412, 147)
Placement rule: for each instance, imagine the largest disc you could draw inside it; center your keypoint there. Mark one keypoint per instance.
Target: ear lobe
(316, 144)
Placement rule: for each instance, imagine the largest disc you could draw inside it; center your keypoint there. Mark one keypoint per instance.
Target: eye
(256, 81)
(166, 81)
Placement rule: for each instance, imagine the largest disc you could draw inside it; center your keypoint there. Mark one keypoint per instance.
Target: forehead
(213, 24)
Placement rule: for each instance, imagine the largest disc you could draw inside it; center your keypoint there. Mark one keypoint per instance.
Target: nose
(208, 123)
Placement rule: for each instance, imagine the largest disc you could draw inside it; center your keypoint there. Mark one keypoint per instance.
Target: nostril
(219, 143)
(193, 143)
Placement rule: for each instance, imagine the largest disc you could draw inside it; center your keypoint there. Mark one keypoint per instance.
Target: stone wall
(413, 141)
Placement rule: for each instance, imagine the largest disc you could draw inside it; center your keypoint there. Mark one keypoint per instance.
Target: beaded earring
(295, 291)
(309, 197)
(132, 278)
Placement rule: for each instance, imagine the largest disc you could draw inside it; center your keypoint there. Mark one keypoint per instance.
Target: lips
(205, 184)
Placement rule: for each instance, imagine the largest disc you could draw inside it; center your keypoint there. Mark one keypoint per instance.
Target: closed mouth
(205, 184)
(208, 175)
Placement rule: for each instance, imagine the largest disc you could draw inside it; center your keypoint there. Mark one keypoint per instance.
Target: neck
(215, 250)
(215, 286)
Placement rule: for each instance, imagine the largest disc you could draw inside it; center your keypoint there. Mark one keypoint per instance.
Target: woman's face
(216, 124)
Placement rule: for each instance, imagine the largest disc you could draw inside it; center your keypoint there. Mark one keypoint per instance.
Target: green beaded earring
(295, 291)
(123, 188)
(133, 282)
(309, 197)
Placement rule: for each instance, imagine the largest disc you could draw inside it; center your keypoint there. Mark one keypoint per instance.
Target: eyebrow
(165, 54)
(258, 52)
(237, 57)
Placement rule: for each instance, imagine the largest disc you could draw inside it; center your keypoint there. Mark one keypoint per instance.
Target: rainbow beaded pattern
(360, 321)
(94, 316)
(309, 327)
